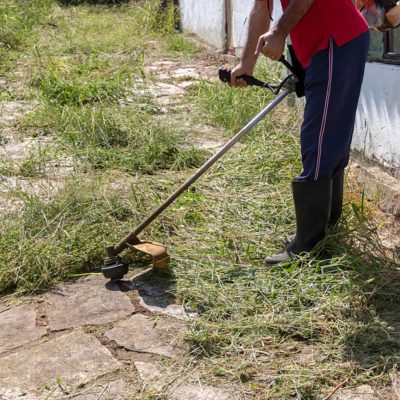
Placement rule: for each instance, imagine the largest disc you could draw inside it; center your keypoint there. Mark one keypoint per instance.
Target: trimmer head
(115, 269)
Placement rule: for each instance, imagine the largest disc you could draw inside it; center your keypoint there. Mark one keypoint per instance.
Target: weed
(18, 25)
(80, 83)
(180, 44)
(106, 137)
(51, 236)
(232, 108)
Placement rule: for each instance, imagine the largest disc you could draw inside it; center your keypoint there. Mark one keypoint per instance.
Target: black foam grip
(225, 76)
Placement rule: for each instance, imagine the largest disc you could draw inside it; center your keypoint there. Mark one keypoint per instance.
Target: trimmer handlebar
(225, 76)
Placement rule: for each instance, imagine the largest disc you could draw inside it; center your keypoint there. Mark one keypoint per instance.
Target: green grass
(19, 23)
(126, 30)
(179, 43)
(51, 240)
(85, 80)
(287, 332)
(109, 137)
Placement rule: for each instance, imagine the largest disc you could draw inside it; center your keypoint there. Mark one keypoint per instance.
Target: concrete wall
(206, 18)
(377, 132)
(240, 13)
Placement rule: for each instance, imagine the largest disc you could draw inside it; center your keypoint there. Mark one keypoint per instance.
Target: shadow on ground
(156, 289)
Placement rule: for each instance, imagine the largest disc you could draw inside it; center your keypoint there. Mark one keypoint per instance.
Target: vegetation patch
(84, 81)
(19, 22)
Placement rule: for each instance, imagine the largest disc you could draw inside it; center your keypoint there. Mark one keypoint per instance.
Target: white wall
(241, 11)
(377, 132)
(206, 18)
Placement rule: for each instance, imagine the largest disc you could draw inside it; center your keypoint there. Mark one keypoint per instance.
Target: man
(331, 41)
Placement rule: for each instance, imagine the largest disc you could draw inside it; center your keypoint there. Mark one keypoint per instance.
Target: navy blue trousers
(333, 83)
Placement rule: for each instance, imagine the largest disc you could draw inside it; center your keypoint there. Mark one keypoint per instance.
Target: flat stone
(18, 327)
(364, 392)
(10, 111)
(115, 390)
(16, 394)
(88, 301)
(395, 378)
(186, 84)
(163, 305)
(74, 358)
(18, 151)
(156, 295)
(208, 144)
(200, 392)
(189, 72)
(141, 334)
(151, 375)
(4, 307)
(154, 283)
(166, 89)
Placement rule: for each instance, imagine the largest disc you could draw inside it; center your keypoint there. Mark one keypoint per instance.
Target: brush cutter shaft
(132, 237)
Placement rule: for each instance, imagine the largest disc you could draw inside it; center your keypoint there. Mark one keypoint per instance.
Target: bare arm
(272, 43)
(295, 11)
(258, 24)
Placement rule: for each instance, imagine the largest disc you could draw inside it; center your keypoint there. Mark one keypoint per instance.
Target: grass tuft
(82, 82)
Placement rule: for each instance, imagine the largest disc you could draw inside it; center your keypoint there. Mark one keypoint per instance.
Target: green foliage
(43, 242)
(92, 2)
(126, 138)
(232, 108)
(19, 21)
(81, 82)
(178, 43)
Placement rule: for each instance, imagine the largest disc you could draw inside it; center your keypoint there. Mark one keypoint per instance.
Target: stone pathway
(94, 339)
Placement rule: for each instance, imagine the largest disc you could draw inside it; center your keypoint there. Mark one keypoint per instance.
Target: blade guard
(156, 251)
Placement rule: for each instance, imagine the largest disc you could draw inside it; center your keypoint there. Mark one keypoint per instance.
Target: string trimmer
(113, 267)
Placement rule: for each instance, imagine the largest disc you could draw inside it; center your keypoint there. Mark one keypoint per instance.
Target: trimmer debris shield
(157, 251)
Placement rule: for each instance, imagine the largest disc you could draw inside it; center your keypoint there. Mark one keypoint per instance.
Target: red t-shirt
(337, 18)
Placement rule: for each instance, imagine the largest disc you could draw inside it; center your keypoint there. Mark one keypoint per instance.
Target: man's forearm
(258, 24)
(293, 14)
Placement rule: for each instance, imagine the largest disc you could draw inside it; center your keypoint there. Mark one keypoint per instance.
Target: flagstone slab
(115, 390)
(16, 394)
(18, 327)
(4, 307)
(200, 392)
(89, 301)
(364, 392)
(142, 334)
(154, 284)
(156, 293)
(395, 378)
(151, 375)
(163, 305)
(73, 359)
